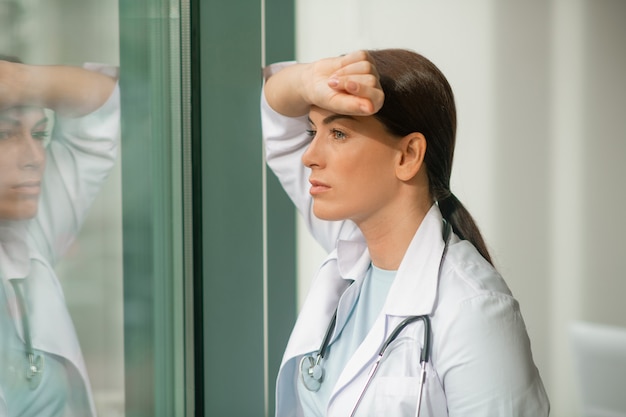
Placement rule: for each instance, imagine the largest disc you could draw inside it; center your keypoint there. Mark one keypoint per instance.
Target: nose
(32, 153)
(312, 156)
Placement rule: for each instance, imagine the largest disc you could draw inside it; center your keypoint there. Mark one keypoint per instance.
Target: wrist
(15, 85)
(304, 85)
(286, 91)
(28, 85)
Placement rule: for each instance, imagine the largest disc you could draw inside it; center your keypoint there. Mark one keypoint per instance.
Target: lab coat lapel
(332, 279)
(51, 326)
(362, 359)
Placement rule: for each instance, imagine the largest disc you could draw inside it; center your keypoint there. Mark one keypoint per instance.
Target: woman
(363, 144)
(46, 187)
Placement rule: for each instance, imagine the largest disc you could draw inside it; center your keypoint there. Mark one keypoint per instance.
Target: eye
(40, 135)
(311, 133)
(338, 134)
(5, 134)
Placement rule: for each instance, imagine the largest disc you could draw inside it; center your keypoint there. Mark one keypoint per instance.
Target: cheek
(368, 186)
(375, 168)
(6, 156)
(6, 174)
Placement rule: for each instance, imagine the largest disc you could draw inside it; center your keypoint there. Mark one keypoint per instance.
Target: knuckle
(371, 81)
(362, 54)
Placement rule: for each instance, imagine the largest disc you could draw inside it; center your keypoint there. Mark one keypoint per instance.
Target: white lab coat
(481, 363)
(79, 158)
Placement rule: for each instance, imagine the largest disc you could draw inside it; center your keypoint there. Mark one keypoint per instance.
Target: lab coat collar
(14, 250)
(414, 290)
(353, 259)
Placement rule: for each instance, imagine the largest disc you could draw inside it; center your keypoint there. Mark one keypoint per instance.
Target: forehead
(367, 125)
(321, 113)
(23, 115)
(321, 116)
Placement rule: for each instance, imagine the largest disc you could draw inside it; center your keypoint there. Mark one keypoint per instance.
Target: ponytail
(418, 98)
(463, 224)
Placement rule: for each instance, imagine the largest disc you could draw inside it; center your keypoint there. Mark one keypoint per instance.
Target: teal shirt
(361, 319)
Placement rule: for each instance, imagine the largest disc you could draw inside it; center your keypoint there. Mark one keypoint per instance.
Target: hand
(345, 85)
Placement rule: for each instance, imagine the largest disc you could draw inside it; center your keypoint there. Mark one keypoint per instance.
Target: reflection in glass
(90, 271)
(47, 185)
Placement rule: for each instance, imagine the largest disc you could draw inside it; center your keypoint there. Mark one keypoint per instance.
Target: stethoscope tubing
(420, 391)
(424, 358)
(35, 362)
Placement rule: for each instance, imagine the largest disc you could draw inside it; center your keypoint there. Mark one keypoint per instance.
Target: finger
(356, 56)
(359, 67)
(373, 99)
(358, 84)
(352, 105)
(364, 87)
(361, 86)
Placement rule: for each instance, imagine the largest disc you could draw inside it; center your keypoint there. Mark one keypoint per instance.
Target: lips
(28, 187)
(318, 187)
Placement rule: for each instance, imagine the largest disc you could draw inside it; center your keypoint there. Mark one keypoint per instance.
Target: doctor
(46, 187)
(363, 144)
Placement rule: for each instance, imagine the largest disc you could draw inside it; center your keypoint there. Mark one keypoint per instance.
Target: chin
(328, 215)
(18, 214)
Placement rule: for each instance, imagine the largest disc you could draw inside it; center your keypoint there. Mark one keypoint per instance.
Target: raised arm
(345, 85)
(69, 91)
(289, 92)
(83, 146)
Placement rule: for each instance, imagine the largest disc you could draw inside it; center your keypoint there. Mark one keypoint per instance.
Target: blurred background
(540, 159)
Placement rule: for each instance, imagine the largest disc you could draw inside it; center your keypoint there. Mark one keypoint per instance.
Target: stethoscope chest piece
(34, 371)
(312, 373)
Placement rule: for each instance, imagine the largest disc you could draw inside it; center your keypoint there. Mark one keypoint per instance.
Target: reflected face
(352, 161)
(22, 161)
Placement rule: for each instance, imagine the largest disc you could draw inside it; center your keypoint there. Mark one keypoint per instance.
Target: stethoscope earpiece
(312, 373)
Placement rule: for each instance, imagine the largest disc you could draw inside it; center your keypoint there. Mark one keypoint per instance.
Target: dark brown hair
(418, 98)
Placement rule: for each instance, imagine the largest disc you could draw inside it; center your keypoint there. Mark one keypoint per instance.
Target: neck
(388, 236)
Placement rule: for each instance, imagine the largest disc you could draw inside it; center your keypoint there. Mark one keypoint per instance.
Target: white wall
(541, 156)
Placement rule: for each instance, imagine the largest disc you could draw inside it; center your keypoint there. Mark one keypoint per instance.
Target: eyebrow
(8, 119)
(15, 121)
(43, 121)
(333, 117)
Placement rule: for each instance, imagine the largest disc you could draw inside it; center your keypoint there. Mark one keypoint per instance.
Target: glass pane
(154, 233)
(61, 222)
(90, 226)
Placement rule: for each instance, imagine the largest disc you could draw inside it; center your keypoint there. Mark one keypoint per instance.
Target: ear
(412, 151)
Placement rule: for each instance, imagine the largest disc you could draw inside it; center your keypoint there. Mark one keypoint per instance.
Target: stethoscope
(311, 368)
(34, 370)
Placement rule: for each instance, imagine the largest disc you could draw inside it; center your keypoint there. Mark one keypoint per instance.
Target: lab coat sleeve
(285, 141)
(80, 156)
(486, 364)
